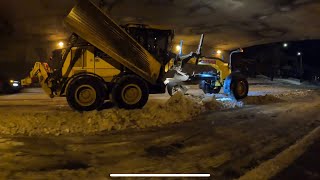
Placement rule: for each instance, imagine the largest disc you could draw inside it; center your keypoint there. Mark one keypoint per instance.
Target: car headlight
(15, 84)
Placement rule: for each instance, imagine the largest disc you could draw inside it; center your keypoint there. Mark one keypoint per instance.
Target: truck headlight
(15, 84)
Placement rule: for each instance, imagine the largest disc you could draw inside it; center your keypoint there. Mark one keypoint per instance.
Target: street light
(60, 44)
(178, 48)
(218, 53)
(299, 54)
(285, 45)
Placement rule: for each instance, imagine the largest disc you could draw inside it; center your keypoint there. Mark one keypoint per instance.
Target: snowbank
(221, 103)
(177, 109)
(276, 97)
(212, 104)
(294, 94)
(259, 100)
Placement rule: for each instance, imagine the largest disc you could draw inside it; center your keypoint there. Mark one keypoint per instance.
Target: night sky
(278, 57)
(310, 50)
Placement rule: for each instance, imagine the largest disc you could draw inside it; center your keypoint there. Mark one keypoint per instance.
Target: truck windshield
(156, 41)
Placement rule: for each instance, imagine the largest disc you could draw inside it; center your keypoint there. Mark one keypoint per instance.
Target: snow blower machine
(234, 83)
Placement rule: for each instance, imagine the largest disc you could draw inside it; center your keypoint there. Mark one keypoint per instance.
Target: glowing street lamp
(60, 44)
(178, 48)
(218, 53)
(299, 54)
(285, 45)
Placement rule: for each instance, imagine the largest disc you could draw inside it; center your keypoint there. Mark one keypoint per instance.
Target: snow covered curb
(273, 166)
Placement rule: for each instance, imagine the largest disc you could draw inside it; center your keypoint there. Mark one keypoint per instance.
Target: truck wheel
(86, 93)
(236, 85)
(130, 92)
(173, 88)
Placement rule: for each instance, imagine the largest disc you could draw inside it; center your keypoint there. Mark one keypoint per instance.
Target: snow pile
(294, 94)
(213, 104)
(266, 99)
(177, 109)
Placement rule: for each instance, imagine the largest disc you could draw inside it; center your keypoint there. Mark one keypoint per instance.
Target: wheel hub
(85, 95)
(241, 88)
(131, 94)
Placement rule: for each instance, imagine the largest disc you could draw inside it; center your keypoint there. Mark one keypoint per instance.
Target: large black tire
(130, 92)
(86, 93)
(173, 88)
(236, 86)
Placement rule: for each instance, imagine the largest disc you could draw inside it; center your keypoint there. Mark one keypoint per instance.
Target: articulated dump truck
(105, 61)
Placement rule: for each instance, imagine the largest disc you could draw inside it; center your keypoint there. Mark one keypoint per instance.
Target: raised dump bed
(96, 27)
(104, 61)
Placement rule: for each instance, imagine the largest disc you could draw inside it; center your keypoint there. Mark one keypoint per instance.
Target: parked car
(8, 85)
